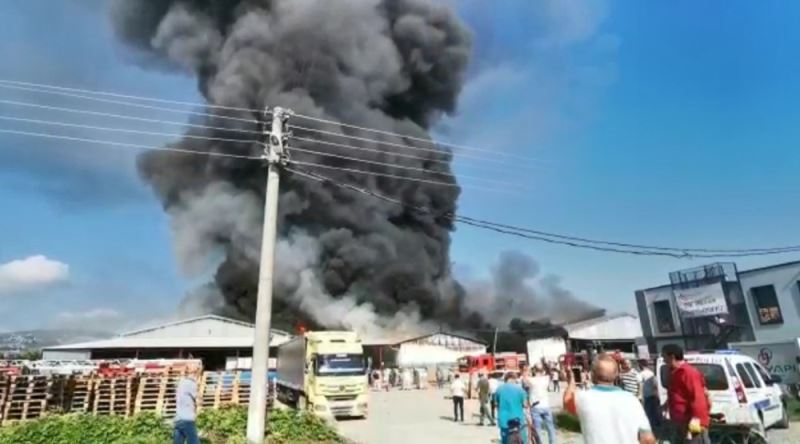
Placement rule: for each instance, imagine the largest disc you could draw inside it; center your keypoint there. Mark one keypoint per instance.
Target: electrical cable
(559, 239)
(123, 130)
(128, 145)
(123, 116)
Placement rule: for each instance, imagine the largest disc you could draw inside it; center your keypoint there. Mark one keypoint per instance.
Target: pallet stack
(26, 398)
(4, 381)
(113, 395)
(217, 389)
(79, 399)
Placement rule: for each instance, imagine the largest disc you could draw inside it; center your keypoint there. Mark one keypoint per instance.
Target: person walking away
(687, 402)
(607, 414)
(629, 379)
(494, 383)
(439, 378)
(650, 394)
(484, 397)
(186, 411)
(555, 377)
(512, 405)
(457, 390)
(539, 398)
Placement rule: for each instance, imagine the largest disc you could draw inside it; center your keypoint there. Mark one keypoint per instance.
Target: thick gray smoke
(516, 291)
(343, 259)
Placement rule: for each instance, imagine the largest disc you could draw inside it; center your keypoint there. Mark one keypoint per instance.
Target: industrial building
(615, 332)
(714, 305)
(427, 351)
(219, 342)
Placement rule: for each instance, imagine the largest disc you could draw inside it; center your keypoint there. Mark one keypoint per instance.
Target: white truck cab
(740, 390)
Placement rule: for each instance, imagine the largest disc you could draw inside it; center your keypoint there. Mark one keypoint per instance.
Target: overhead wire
(124, 116)
(402, 167)
(124, 103)
(555, 238)
(128, 145)
(123, 130)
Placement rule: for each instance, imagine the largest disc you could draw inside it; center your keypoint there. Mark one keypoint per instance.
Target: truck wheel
(784, 422)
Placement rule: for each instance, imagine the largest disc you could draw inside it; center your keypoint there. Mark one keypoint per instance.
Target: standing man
(650, 394)
(555, 375)
(485, 397)
(439, 377)
(186, 411)
(494, 383)
(686, 399)
(608, 414)
(457, 390)
(539, 398)
(629, 379)
(512, 403)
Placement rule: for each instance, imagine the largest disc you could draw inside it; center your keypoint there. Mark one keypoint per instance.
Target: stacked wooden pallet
(4, 381)
(79, 399)
(217, 389)
(26, 398)
(113, 395)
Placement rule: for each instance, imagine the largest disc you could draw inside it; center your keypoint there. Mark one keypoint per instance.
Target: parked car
(740, 389)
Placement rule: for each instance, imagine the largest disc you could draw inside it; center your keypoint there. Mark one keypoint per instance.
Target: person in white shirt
(457, 390)
(608, 414)
(650, 394)
(494, 382)
(538, 396)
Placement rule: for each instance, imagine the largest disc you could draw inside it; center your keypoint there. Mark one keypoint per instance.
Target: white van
(740, 389)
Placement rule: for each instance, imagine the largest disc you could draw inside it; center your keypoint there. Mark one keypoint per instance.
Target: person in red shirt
(687, 401)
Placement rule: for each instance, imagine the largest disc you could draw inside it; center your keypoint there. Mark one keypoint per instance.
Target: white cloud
(31, 273)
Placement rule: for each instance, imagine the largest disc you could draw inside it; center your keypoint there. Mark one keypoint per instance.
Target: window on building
(664, 321)
(766, 302)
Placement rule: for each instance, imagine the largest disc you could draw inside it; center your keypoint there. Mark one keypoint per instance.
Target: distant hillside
(36, 339)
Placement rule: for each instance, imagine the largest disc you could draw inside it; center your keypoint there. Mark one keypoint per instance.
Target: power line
(410, 147)
(409, 137)
(558, 239)
(123, 116)
(120, 102)
(402, 167)
(128, 145)
(126, 96)
(123, 130)
(371, 173)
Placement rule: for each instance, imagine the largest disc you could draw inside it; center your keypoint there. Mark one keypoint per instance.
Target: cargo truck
(324, 372)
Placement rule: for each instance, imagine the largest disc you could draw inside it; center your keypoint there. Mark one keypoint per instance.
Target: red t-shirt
(686, 395)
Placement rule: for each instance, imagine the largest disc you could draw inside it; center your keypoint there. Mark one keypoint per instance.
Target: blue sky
(670, 123)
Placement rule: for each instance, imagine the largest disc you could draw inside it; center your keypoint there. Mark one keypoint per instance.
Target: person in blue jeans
(512, 403)
(541, 413)
(185, 431)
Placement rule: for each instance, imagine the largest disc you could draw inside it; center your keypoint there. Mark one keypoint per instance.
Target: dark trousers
(653, 411)
(679, 435)
(458, 406)
(185, 432)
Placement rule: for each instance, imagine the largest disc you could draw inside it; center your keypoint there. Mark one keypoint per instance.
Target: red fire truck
(489, 362)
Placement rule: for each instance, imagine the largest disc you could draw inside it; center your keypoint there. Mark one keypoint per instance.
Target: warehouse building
(426, 351)
(616, 332)
(219, 342)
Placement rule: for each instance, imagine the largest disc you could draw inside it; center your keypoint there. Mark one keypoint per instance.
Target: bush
(226, 426)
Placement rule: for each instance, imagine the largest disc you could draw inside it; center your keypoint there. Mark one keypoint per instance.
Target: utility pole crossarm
(274, 153)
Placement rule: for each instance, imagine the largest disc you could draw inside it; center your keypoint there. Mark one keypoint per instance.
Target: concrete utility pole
(277, 136)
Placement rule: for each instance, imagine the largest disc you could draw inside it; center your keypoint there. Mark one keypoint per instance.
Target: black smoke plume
(343, 259)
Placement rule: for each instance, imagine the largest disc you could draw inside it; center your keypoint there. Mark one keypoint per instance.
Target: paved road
(419, 417)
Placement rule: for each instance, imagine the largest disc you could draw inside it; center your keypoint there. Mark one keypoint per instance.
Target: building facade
(711, 306)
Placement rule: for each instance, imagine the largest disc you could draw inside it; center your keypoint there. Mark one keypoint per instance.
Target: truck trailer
(323, 372)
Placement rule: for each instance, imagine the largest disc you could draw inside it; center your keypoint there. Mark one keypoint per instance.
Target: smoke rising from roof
(343, 259)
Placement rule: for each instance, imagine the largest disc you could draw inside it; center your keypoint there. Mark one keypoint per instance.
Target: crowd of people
(399, 378)
(615, 402)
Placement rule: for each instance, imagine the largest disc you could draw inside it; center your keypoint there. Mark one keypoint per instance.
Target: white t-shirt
(610, 415)
(649, 387)
(537, 391)
(493, 384)
(457, 387)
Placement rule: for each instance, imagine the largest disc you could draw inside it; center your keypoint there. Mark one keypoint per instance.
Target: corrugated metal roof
(197, 319)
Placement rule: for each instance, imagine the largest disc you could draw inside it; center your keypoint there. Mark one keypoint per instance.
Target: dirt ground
(421, 417)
